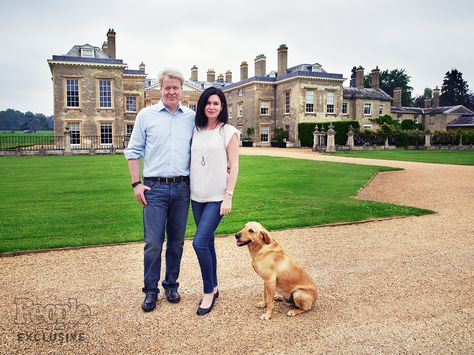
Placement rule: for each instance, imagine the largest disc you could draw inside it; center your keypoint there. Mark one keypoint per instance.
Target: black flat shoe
(172, 296)
(202, 311)
(216, 295)
(149, 303)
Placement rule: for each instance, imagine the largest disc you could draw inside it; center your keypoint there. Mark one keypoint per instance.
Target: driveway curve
(401, 285)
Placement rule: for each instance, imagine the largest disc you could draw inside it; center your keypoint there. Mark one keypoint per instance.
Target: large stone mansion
(95, 94)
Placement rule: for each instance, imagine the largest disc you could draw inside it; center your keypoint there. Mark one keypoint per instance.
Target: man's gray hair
(171, 73)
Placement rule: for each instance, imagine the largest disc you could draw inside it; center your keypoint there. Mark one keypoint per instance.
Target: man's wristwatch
(136, 183)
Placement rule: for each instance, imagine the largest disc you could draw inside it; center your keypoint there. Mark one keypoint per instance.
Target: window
(287, 130)
(130, 103)
(287, 102)
(264, 134)
(367, 126)
(129, 129)
(240, 128)
(75, 130)
(72, 93)
(193, 106)
(239, 109)
(106, 133)
(345, 108)
(381, 110)
(105, 93)
(229, 108)
(367, 108)
(309, 101)
(330, 102)
(415, 120)
(87, 52)
(265, 108)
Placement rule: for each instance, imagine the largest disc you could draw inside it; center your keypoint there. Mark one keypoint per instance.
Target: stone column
(350, 138)
(67, 142)
(427, 139)
(331, 143)
(316, 139)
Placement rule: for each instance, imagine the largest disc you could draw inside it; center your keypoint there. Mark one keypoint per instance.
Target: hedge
(306, 129)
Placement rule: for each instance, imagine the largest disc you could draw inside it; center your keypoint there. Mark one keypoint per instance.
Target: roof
(74, 55)
(133, 72)
(366, 93)
(76, 51)
(462, 121)
(458, 109)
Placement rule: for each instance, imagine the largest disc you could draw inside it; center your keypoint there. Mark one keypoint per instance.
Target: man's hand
(139, 192)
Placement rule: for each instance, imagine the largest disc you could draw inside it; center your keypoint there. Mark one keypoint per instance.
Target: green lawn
(461, 157)
(50, 202)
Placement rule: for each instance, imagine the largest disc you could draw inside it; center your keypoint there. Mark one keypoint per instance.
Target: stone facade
(94, 93)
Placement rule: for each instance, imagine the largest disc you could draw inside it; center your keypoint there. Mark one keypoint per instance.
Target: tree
(389, 80)
(454, 90)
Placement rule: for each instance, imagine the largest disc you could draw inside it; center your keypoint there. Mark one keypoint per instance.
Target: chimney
(211, 76)
(360, 77)
(228, 76)
(194, 73)
(427, 103)
(375, 78)
(111, 43)
(260, 65)
(142, 67)
(282, 59)
(436, 97)
(244, 71)
(220, 78)
(105, 47)
(397, 97)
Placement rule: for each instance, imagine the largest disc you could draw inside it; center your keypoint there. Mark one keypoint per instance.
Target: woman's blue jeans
(207, 217)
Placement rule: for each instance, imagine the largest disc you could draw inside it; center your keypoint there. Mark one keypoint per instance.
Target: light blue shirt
(163, 139)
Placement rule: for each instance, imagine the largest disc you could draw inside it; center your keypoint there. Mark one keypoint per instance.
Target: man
(162, 136)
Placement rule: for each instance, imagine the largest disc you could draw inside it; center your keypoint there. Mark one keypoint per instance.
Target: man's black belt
(168, 180)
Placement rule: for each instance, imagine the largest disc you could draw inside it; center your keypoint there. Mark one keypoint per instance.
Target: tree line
(13, 120)
(454, 90)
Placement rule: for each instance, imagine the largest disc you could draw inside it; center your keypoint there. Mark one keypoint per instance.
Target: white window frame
(229, 109)
(72, 91)
(87, 52)
(330, 102)
(106, 134)
(129, 104)
(75, 133)
(129, 129)
(309, 101)
(263, 134)
(264, 108)
(381, 110)
(105, 93)
(345, 108)
(240, 109)
(287, 101)
(369, 111)
(192, 106)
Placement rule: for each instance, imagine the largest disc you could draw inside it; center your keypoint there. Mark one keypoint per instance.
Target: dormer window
(316, 68)
(87, 52)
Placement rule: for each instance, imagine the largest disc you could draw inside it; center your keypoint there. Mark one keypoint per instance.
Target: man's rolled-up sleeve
(136, 145)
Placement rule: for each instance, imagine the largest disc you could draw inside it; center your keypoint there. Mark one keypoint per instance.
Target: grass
(460, 157)
(51, 202)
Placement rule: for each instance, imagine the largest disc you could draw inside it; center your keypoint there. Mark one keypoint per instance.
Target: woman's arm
(233, 164)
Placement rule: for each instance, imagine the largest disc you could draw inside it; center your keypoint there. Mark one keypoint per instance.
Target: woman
(214, 170)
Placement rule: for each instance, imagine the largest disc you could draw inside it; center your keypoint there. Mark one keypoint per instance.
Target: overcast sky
(426, 38)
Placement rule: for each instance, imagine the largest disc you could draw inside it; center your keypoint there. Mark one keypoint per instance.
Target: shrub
(467, 137)
(445, 138)
(305, 131)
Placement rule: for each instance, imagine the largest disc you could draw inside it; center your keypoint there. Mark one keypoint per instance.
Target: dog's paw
(265, 316)
(261, 305)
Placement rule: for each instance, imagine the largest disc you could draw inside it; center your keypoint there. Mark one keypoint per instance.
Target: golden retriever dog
(280, 273)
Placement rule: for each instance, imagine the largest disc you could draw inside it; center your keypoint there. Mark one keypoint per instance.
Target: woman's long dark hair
(201, 119)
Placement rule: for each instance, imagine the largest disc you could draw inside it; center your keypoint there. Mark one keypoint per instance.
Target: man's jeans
(207, 218)
(167, 208)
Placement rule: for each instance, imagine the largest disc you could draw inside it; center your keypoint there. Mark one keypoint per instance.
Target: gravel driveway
(393, 286)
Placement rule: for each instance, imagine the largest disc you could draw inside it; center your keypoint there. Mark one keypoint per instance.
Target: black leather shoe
(172, 296)
(149, 303)
(202, 311)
